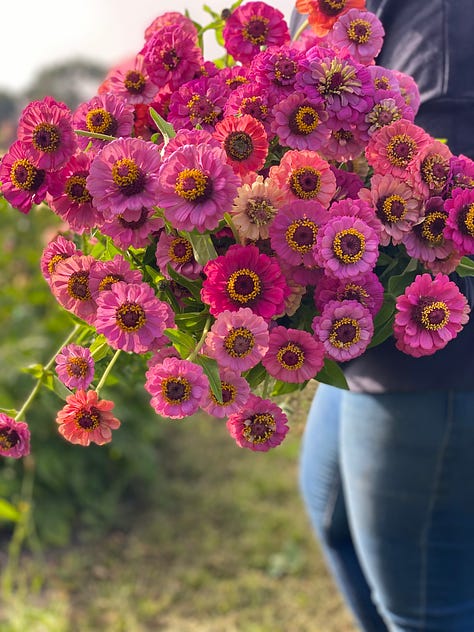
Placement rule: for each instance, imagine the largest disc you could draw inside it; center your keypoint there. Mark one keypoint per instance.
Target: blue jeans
(388, 482)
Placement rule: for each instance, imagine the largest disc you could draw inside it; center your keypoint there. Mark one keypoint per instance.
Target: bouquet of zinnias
(245, 225)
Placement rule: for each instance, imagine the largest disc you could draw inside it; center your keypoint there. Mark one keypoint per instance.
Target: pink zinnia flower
(75, 366)
(294, 230)
(199, 102)
(238, 340)
(235, 393)
(299, 122)
(396, 148)
(345, 328)
(107, 114)
(69, 197)
(245, 142)
(131, 316)
(45, 127)
(433, 170)
(133, 228)
(196, 187)
(255, 207)
(251, 26)
(409, 90)
(57, 250)
(86, 419)
(346, 247)
(346, 141)
(383, 78)
(360, 33)
(253, 100)
(244, 277)
(430, 313)
(21, 182)
(177, 387)
(124, 175)
(366, 289)
(275, 69)
(14, 437)
(70, 286)
(388, 107)
(426, 240)
(263, 425)
(172, 56)
(293, 355)
(104, 274)
(397, 205)
(176, 251)
(133, 83)
(460, 222)
(171, 18)
(322, 14)
(303, 175)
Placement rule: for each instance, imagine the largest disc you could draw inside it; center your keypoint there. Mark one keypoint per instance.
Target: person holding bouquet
(386, 467)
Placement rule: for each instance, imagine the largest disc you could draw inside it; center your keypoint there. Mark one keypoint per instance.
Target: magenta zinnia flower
(244, 277)
(346, 247)
(251, 26)
(107, 114)
(131, 316)
(86, 419)
(253, 100)
(21, 182)
(132, 228)
(56, 251)
(293, 355)
(132, 83)
(235, 393)
(366, 289)
(104, 274)
(14, 437)
(70, 286)
(300, 123)
(345, 328)
(275, 69)
(460, 221)
(196, 187)
(199, 102)
(124, 175)
(45, 127)
(245, 142)
(360, 33)
(263, 425)
(177, 387)
(238, 340)
(429, 314)
(75, 366)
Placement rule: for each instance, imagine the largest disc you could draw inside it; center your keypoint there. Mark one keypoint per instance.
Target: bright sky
(36, 34)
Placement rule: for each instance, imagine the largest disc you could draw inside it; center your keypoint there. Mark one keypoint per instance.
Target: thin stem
(201, 340)
(83, 132)
(47, 367)
(300, 30)
(107, 371)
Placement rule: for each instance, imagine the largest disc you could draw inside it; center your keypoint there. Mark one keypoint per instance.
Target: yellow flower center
(301, 235)
(130, 317)
(192, 184)
(435, 315)
(239, 342)
(305, 182)
(401, 150)
(175, 390)
(345, 332)
(359, 31)
(244, 286)
(259, 427)
(349, 245)
(99, 121)
(291, 356)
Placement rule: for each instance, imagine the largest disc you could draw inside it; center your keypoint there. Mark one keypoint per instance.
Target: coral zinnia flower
(244, 277)
(245, 142)
(299, 122)
(238, 340)
(107, 114)
(345, 328)
(86, 419)
(22, 183)
(75, 366)
(196, 187)
(304, 175)
(124, 175)
(14, 437)
(255, 207)
(429, 314)
(235, 393)
(396, 148)
(261, 426)
(293, 355)
(323, 13)
(131, 316)
(70, 286)
(46, 129)
(177, 387)
(251, 26)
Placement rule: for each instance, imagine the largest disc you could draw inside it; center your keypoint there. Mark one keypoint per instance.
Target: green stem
(83, 132)
(107, 371)
(201, 340)
(47, 367)
(300, 30)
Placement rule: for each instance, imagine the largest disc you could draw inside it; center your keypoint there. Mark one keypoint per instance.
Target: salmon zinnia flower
(86, 419)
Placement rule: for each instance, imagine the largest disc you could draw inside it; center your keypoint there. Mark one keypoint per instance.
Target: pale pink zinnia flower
(430, 313)
(293, 356)
(261, 426)
(14, 437)
(75, 366)
(86, 419)
(255, 207)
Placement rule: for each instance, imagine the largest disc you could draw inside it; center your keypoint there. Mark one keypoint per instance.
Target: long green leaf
(8, 512)
(332, 374)
(211, 369)
(203, 248)
(465, 267)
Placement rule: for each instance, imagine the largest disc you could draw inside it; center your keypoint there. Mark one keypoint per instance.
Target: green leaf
(61, 391)
(191, 321)
(211, 369)
(36, 370)
(203, 248)
(10, 412)
(465, 267)
(194, 286)
(256, 375)
(398, 283)
(283, 388)
(332, 374)
(166, 129)
(8, 512)
(99, 348)
(183, 342)
(383, 321)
